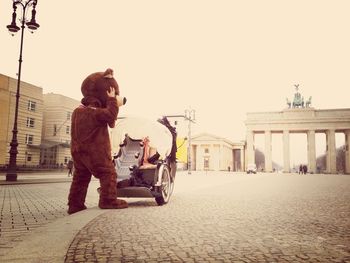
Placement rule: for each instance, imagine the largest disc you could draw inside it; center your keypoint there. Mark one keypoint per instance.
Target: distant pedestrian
(305, 168)
(301, 169)
(70, 168)
(318, 169)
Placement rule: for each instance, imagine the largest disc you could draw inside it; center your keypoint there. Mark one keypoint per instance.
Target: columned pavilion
(299, 118)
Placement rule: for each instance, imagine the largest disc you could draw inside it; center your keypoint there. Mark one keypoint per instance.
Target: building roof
(214, 138)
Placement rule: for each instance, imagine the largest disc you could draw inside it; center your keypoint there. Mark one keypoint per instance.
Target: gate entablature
(302, 120)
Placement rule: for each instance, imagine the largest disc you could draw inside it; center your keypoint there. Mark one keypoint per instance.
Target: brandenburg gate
(299, 118)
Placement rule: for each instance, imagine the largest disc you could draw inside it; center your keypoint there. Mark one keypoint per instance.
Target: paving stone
(26, 207)
(296, 220)
(216, 218)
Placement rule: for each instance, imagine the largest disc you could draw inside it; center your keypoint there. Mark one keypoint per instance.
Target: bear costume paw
(112, 204)
(74, 209)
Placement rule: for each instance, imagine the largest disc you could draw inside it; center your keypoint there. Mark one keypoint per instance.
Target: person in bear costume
(90, 144)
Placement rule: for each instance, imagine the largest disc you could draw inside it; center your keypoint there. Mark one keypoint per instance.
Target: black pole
(11, 174)
(12, 168)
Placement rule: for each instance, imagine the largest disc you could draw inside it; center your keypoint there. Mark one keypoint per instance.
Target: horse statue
(308, 102)
(298, 101)
(288, 103)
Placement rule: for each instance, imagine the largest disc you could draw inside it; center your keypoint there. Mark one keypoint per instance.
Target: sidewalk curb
(50, 243)
(43, 180)
(36, 181)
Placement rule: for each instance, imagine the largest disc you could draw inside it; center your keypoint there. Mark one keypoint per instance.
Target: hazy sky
(221, 58)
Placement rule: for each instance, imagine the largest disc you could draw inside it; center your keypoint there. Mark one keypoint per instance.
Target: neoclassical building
(210, 152)
(305, 120)
(300, 117)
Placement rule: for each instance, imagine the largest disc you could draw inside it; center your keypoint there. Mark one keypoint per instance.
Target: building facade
(214, 153)
(56, 128)
(43, 124)
(29, 122)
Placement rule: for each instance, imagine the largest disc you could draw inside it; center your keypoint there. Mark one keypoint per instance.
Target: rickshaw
(145, 158)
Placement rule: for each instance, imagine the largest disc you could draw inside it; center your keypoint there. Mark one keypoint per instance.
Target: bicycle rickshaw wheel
(166, 188)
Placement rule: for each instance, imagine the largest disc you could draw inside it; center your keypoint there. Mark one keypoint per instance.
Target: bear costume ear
(108, 73)
(94, 88)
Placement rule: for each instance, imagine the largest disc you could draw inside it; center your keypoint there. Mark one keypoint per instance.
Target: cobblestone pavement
(227, 218)
(25, 207)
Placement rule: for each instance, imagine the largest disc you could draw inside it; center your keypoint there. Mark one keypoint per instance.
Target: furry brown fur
(90, 144)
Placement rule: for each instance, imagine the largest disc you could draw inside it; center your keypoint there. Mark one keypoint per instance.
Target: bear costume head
(94, 89)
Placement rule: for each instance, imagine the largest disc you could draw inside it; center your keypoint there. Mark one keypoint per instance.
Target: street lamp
(190, 115)
(11, 174)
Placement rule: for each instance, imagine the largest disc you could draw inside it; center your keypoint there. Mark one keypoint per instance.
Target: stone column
(222, 158)
(199, 156)
(242, 159)
(268, 155)
(311, 151)
(213, 162)
(347, 151)
(286, 152)
(331, 152)
(250, 149)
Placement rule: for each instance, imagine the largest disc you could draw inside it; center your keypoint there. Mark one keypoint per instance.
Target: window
(68, 115)
(30, 122)
(67, 129)
(31, 105)
(29, 138)
(29, 157)
(206, 150)
(54, 130)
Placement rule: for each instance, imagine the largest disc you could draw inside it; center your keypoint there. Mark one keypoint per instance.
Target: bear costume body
(90, 143)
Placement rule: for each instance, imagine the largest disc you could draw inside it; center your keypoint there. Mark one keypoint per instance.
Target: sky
(222, 58)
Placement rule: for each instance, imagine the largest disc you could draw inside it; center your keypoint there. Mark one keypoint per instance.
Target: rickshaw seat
(146, 166)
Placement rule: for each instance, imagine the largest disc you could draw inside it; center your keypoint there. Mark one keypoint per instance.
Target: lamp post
(11, 174)
(190, 115)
